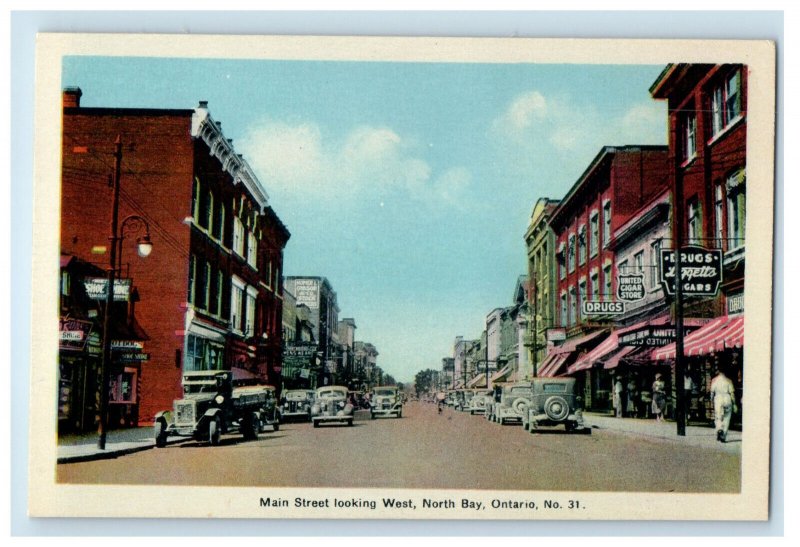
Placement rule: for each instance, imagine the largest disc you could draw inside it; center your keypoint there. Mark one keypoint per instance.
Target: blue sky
(408, 185)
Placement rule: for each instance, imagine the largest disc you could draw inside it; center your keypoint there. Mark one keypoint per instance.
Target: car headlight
(219, 399)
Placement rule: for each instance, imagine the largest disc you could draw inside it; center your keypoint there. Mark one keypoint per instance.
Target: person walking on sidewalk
(617, 397)
(659, 398)
(722, 397)
(631, 399)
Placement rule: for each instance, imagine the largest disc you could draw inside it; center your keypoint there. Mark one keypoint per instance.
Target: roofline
(99, 110)
(666, 74)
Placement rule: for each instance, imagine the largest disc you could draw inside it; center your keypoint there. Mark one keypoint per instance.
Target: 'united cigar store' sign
(651, 336)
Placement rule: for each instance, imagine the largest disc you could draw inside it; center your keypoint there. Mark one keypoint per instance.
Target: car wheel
(399, 413)
(316, 423)
(213, 431)
(160, 430)
(350, 423)
(556, 408)
(276, 426)
(371, 415)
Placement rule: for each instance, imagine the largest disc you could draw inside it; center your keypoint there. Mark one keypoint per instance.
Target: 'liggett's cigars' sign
(701, 271)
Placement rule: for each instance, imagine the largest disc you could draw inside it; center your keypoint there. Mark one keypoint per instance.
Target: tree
(424, 381)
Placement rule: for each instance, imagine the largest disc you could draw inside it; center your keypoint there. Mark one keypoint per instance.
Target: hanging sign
(600, 307)
(96, 288)
(630, 287)
(73, 333)
(701, 271)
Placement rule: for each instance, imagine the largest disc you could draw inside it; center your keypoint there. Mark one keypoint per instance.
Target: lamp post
(144, 247)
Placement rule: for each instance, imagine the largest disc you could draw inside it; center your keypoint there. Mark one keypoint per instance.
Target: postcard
(290, 277)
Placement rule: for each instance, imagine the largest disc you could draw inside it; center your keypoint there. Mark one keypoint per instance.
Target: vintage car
(296, 403)
(554, 402)
(214, 404)
(386, 401)
(477, 403)
(331, 405)
(513, 403)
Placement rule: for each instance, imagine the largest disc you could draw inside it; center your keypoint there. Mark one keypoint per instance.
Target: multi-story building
(209, 295)
(366, 357)
(347, 336)
(617, 183)
(707, 107)
(448, 372)
(540, 242)
(317, 294)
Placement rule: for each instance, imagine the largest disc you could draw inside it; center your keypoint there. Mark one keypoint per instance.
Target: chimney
(72, 97)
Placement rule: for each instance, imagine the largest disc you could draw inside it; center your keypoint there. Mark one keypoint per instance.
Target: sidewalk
(696, 435)
(81, 448)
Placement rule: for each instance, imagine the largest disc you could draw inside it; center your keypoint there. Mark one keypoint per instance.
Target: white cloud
(292, 160)
(524, 109)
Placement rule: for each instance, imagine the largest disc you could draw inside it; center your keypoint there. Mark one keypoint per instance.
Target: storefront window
(736, 209)
(202, 354)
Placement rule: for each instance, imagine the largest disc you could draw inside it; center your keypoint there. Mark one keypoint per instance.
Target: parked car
(331, 405)
(554, 402)
(477, 404)
(213, 405)
(297, 404)
(514, 400)
(386, 401)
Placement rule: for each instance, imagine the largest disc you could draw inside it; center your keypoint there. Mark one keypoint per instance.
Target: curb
(112, 453)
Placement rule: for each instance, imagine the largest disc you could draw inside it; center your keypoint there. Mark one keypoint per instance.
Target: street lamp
(144, 248)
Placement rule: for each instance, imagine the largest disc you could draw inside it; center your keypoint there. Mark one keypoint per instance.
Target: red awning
(65, 260)
(626, 351)
(573, 344)
(551, 366)
(732, 335)
(700, 342)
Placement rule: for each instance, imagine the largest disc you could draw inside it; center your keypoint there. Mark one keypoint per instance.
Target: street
(425, 449)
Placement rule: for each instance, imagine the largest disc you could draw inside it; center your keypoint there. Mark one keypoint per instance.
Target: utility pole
(680, 414)
(105, 363)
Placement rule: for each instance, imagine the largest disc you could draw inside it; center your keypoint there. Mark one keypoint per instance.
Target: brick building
(618, 182)
(209, 295)
(707, 107)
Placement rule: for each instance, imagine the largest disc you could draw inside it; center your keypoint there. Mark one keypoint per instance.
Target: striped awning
(574, 343)
(477, 381)
(501, 374)
(707, 339)
(552, 364)
(627, 351)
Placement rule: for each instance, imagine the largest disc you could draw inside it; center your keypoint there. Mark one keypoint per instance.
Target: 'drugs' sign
(701, 271)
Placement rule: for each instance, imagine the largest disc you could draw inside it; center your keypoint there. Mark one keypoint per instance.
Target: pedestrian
(617, 397)
(723, 399)
(659, 398)
(630, 406)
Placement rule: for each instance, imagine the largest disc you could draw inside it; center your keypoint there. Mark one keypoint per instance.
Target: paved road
(428, 450)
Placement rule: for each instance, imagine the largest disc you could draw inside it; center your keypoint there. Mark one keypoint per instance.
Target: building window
(562, 261)
(581, 293)
(719, 215)
(213, 292)
(573, 305)
(736, 209)
(196, 200)
(65, 284)
(726, 103)
(203, 284)
(202, 354)
(607, 292)
(656, 260)
(237, 301)
(595, 281)
(606, 223)
(638, 262)
(571, 253)
(217, 209)
(563, 309)
(694, 232)
(252, 249)
(238, 236)
(192, 272)
(250, 315)
(689, 137)
(582, 244)
(622, 268)
(594, 226)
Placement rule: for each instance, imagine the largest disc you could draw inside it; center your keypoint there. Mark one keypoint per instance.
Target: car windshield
(384, 392)
(332, 394)
(551, 388)
(205, 387)
(521, 391)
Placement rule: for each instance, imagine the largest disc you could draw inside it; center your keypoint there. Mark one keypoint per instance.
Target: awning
(732, 335)
(573, 344)
(477, 381)
(552, 364)
(501, 374)
(458, 384)
(700, 342)
(626, 351)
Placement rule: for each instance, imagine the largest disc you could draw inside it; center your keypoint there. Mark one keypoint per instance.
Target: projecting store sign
(96, 288)
(701, 271)
(651, 336)
(597, 307)
(630, 287)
